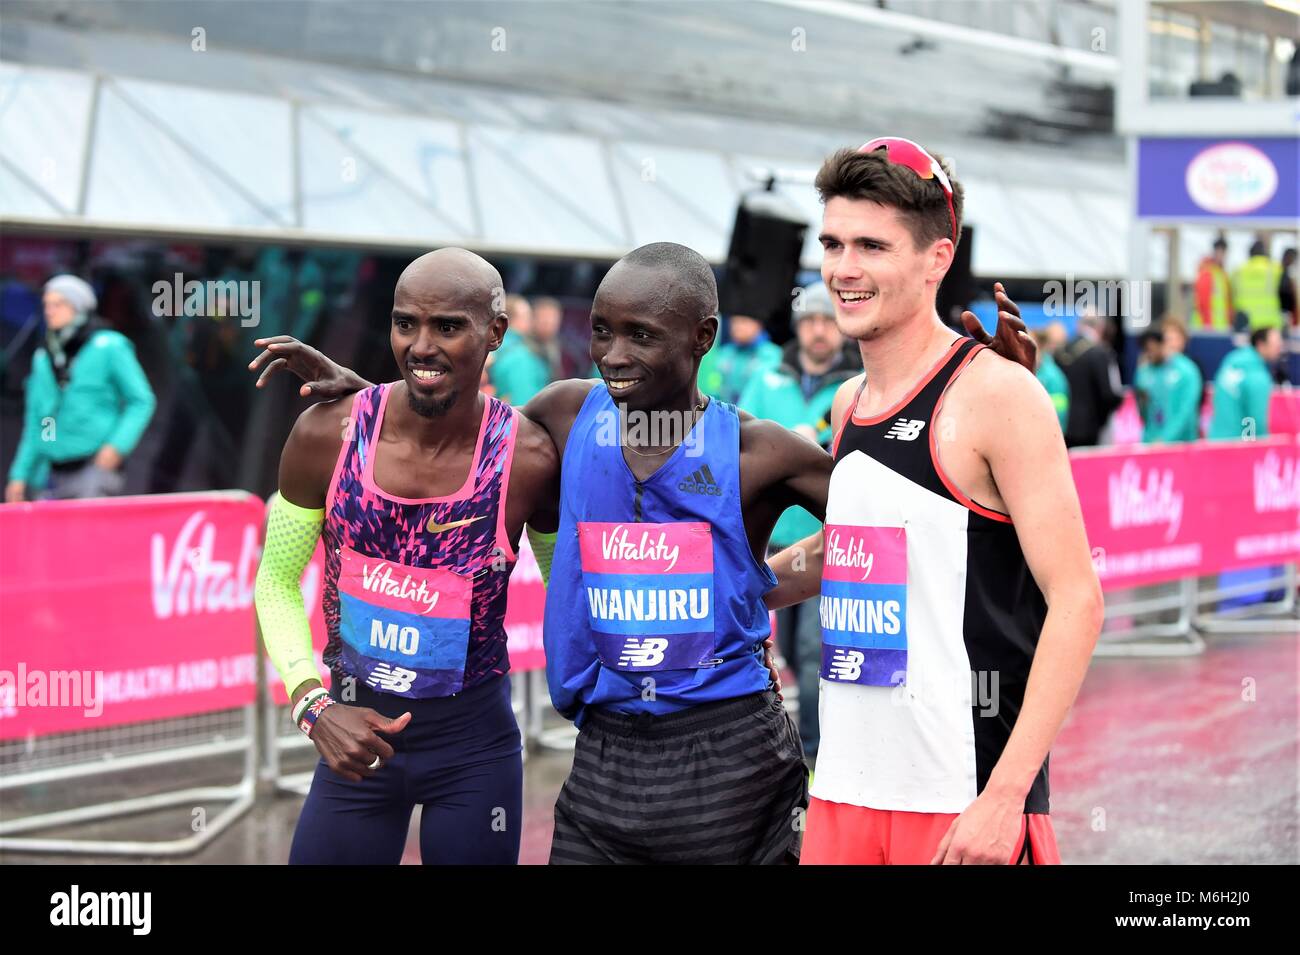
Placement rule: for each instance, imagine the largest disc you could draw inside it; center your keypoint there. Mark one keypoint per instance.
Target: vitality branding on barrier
(864, 605)
(649, 590)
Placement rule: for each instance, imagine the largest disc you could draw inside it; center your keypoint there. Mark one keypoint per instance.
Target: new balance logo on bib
(642, 654)
(846, 665)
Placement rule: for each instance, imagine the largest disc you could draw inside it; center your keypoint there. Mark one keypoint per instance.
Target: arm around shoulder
(556, 406)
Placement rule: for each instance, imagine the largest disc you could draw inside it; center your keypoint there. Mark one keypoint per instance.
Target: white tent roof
(373, 158)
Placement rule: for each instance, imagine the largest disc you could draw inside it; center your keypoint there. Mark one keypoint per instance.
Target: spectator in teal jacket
(748, 354)
(1243, 386)
(87, 402)
(517, 371)
(1168, 388)
(1149, 384)
(1052, 378)
(798, 393)
(1186, 384)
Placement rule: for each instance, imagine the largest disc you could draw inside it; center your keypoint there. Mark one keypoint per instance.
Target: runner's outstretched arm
(798, 568)
(322, 376)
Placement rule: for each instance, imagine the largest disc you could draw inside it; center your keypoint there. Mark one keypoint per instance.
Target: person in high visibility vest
(1255, 286)
(1213, 305)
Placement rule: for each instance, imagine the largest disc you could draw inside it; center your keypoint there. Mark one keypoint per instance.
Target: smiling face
(447, 315)
(879, 279)
(819, 338)
(647, 337)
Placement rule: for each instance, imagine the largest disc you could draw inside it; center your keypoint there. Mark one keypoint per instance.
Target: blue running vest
(656, 601)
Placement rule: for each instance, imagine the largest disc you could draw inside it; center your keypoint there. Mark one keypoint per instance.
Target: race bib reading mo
(649, 590)
(409, 621)
(864, 605)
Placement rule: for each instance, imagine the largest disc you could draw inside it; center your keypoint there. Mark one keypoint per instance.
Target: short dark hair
(1221, 243)
(1260, 335)
(1258, 247)
(695, 290)
(849, 174)
(1152, 335)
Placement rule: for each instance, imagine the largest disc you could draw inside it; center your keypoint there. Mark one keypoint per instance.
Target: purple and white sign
(1219, 178)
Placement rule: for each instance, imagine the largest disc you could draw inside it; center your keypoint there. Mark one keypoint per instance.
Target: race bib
(864, 605)
(649, 592)
(405, 629)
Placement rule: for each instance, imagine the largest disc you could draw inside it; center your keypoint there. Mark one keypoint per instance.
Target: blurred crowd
(98, 372)
(127, 371)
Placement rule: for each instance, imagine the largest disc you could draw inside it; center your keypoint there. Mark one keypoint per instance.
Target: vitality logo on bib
(864, 605)
(405, 629)
(649, 590)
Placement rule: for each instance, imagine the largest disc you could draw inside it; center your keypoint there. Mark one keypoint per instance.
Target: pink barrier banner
(524, 609)
(126, 609)
(1284, 412)
(1160, 513)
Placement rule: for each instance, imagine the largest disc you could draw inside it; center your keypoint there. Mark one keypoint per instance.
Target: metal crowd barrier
(546, 729)
(1143, 633)
(31, 764)
(1277, 616)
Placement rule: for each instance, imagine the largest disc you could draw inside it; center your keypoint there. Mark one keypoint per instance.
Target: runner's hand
(769, 660)
(1013, 342)
(985, 834)
(323, 377)
(345, 736)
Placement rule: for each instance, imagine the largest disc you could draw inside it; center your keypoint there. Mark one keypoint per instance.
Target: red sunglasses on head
(904, 152)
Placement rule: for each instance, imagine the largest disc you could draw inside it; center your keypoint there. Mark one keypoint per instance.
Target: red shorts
(836, 833)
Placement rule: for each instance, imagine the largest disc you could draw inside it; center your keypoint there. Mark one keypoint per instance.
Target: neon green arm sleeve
(291, 534)
(543, 549)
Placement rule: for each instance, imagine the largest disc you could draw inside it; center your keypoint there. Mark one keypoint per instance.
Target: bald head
(664, 279)
(453, 278)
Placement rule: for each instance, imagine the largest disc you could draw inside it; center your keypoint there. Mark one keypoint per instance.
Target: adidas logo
(701, 482)
(905, 429)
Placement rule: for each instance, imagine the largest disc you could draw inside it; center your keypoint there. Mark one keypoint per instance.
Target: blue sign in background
(1162, 178)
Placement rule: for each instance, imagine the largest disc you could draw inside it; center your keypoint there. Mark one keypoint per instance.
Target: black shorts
(719, 783)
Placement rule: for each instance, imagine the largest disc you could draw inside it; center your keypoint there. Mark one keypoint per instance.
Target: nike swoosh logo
(434, 527)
